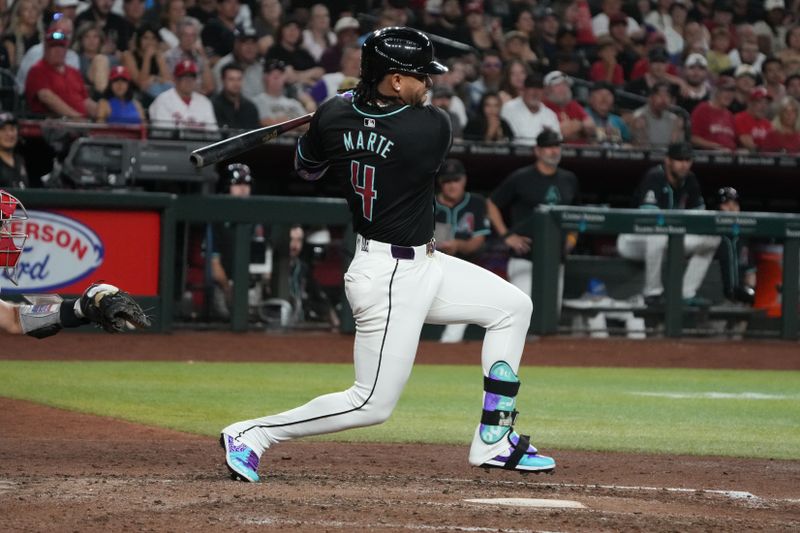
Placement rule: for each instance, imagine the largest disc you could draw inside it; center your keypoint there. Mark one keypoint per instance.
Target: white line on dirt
(354, 526)
(541, 503)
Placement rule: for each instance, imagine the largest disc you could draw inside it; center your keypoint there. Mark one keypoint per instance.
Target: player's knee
(522, 308)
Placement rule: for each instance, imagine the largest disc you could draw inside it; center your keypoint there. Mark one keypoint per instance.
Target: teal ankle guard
(500, 398)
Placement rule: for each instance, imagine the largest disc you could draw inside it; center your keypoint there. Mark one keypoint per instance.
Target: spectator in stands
(66, 8)
(36, 52)
(118, 105)
(133, 14)
(738, 277)
(606, 68)
(55, 88)
(793, 86)
(574, 121)
(772, 72)
(542, 183)
(513, 83)
(114, 28)
(547, 26)
(329, 84)
(300, 66)
(318, 37)
(146, 64)
(231, 107)
(771, 30)
(657, 72)
(267, 23)
(172, 13)
(24, 30)
(712, 122)
(628, 51)
(608, 129)
(790, 55)
(718, 58)
(674, 32)
(671, 185)
(660, 18)
(441, 97)
(696, 87)
(487, 125)
(95, 65)
(461, 224)
(527, 115)
(752, 125)
(746, 80)
(483, 35)
(489, 78)
(218, 32)
(12, 165)
(747, 53)
(785, 133)
(182, 106)
(654, 124)
(202, 10)
(191, 48)
(245, 54)
(346, 30)
(273, 104)
(517, 46)
(612, 9)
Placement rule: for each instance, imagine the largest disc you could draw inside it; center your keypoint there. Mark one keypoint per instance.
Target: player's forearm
(9, 319)
(496, 218)
(55, 104)
(40, 320)
(470, 246)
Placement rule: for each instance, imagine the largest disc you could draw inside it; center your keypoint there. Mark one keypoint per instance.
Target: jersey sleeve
(695, 199)
(503, 195)
(309, 158)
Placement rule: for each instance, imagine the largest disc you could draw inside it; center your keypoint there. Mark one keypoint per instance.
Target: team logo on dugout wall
(59, 252)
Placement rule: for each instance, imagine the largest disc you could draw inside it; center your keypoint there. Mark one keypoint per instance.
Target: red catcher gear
(11, 243)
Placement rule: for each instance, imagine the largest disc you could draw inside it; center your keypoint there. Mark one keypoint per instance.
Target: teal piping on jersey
(383, 115)
(452, 215)
(304, 158)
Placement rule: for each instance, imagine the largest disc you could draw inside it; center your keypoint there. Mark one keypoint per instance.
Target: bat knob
(197, 160)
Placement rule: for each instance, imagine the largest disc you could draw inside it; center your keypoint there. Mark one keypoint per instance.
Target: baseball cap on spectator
(680, 151)
(547, 138)
(696, 60)
(474, 6)
(534, 81)
(774, 4)
(542, 13)
(57, 38)
(7, 118)
(618, 18)
(274, 64)
(186, 67)
(745, 70)
(726, 83)
(556, 77)
(658, 55)
(759, 93)
(346, 23)
(451, 170)
(66, 3)
(242, 34)
(119, 73)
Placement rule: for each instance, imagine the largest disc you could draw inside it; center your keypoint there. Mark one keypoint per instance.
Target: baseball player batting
(388, 146)
(45, 315)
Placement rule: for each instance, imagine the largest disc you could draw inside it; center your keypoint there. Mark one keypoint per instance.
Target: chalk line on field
(355, 526)
(713, 395)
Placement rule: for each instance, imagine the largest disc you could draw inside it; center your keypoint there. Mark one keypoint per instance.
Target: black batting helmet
(397, 49)
(727, 194)
(237, 174)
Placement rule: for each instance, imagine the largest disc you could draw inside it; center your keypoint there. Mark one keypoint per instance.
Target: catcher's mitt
(112, 309)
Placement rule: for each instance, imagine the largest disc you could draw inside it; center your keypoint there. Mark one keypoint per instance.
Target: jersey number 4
(364, 186)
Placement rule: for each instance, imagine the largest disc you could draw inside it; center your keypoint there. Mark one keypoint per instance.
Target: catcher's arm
(102, 304)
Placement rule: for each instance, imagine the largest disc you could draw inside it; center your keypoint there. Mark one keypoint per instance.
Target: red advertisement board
(67, 249)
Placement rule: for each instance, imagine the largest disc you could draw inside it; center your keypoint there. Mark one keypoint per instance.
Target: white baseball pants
(652, 248)
(391, 298)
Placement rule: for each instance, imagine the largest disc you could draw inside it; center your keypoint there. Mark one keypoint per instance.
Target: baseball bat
(227, 148)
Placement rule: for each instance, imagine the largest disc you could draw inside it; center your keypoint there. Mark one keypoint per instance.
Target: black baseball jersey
(387, 159)
(527, 188)
(655, 192)
(465, 220)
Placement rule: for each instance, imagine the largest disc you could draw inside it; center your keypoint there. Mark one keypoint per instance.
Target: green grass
(562, 408)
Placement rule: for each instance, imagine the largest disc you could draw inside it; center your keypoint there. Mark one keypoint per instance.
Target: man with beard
(527, 115)
(542, 183)
(695, 89)
(574, 121)
(671, 185)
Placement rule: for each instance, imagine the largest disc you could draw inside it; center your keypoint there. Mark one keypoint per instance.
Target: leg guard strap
(504, 388)
(499, 418)
(519, 452)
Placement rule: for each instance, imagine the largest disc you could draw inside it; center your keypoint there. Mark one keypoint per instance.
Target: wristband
(506, 235)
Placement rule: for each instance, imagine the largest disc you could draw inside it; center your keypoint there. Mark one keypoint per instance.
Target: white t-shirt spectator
(277, 107)
(525, 124)
(169, 110)
(600, 25)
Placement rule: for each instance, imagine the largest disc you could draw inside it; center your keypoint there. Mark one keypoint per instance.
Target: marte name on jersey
(372, 142)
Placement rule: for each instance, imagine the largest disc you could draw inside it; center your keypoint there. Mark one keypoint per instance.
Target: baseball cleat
(240, 459)
(520, 455)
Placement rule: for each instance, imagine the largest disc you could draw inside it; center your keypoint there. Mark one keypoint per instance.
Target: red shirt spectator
(785, 133)
(641, 67)
(574, 120)
(606, 67)
(781, 141)
(712, 124)
(52, 86)
(752, 125)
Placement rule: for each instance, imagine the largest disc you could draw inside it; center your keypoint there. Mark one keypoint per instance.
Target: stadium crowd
(724, 74)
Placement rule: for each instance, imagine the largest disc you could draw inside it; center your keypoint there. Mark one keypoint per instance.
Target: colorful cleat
(521, 455)
(240, 459)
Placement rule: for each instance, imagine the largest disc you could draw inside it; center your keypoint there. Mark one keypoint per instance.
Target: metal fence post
(789, 296)
(241, 259)
(166, 279)
(546, 257)
(673, 292)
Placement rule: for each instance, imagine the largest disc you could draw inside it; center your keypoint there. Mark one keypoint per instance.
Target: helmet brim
(434, 68)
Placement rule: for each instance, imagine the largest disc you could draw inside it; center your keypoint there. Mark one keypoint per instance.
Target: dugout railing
(548, 223)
